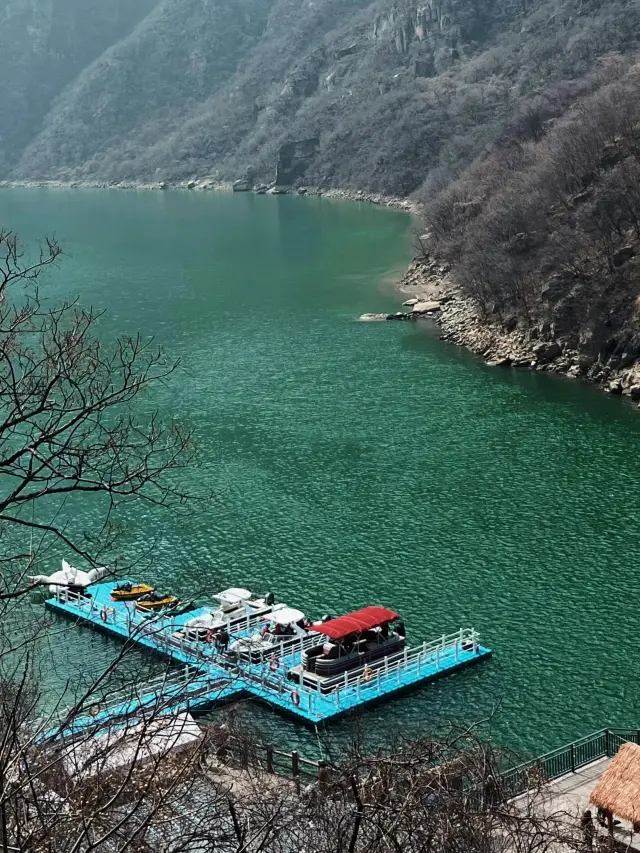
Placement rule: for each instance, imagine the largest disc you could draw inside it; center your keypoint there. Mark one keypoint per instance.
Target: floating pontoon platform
(211, 677)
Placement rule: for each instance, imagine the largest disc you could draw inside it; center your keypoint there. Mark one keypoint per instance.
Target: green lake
(359, 463)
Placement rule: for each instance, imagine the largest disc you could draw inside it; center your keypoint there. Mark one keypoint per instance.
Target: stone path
(570, 794)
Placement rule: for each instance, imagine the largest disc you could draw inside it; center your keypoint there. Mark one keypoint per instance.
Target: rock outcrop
(293, 160)
(594, 357)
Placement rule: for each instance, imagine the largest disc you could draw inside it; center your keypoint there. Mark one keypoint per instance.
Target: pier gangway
(221, 676)
(180, 689)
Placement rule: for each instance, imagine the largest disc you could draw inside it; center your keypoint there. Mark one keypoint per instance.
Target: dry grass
(619, 786)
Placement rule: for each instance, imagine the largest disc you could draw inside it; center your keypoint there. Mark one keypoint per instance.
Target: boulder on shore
(545, 352)
(411, 302)
(425, 307)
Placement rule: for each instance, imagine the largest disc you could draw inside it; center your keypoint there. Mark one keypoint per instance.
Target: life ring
(274, 663)
(104, 614)
(210, 636)
(367, 675)
(295, 698)
(94, 710)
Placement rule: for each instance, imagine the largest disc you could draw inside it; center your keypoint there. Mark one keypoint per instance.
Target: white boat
(236, 605)
(68, 578)
(283, 628)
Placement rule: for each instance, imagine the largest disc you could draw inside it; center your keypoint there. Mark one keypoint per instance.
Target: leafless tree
(438, 794)
(69, 425)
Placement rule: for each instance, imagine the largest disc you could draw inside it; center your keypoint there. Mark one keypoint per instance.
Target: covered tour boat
(128, 591)
(235, 606)
(357, 644)
(283, 628)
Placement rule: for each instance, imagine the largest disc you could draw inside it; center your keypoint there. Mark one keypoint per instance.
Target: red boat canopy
(354, 623)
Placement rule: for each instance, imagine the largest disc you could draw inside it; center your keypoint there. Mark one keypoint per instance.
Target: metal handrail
(379, 673)
(407, 660)
(384, 670)
(567, 759)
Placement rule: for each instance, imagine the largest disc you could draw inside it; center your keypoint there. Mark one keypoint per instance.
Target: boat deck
(219, 679)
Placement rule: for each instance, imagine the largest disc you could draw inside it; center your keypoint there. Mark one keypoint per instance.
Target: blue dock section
(209, 677)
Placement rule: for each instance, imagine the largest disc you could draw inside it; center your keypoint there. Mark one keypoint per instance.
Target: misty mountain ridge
(396, 92)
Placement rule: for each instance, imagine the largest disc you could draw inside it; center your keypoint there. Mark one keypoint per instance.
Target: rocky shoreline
(431, 293)
(199, 184)
(403, 204)
(536, 348)
(210, 184)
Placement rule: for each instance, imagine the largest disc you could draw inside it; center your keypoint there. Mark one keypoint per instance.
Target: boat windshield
(232, 596)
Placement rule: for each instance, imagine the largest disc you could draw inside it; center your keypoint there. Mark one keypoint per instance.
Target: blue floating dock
(210, 677)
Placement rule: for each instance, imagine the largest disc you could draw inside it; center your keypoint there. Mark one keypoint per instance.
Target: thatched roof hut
(619, 786)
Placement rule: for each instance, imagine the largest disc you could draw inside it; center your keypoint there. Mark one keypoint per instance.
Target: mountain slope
(44, 45)
(396, 91)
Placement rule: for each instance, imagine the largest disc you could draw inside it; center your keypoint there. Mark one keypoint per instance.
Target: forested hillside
(515, 122)
(396, 91)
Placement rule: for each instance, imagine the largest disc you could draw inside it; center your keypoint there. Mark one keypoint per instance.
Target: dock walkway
(571, 773)
(219, 678)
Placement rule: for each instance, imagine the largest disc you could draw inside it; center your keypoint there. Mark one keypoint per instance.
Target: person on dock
(221, 640)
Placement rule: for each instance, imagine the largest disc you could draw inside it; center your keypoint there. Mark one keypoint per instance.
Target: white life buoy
(295, 698)
(367, 675)
(104, 614)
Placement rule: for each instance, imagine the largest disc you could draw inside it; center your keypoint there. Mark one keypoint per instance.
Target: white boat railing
(392, 670)
(286, 648)
(235, 628)
(375, 678)
(370, 679)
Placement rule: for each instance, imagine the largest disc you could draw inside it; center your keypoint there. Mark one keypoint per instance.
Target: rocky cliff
(394, 91)
(542, 237)
(514, 123)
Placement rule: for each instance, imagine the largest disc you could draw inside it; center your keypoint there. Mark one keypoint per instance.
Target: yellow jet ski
(153, 601)
(130, 591)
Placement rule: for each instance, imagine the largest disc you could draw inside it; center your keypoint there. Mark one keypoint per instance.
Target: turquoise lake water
(358, 463)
